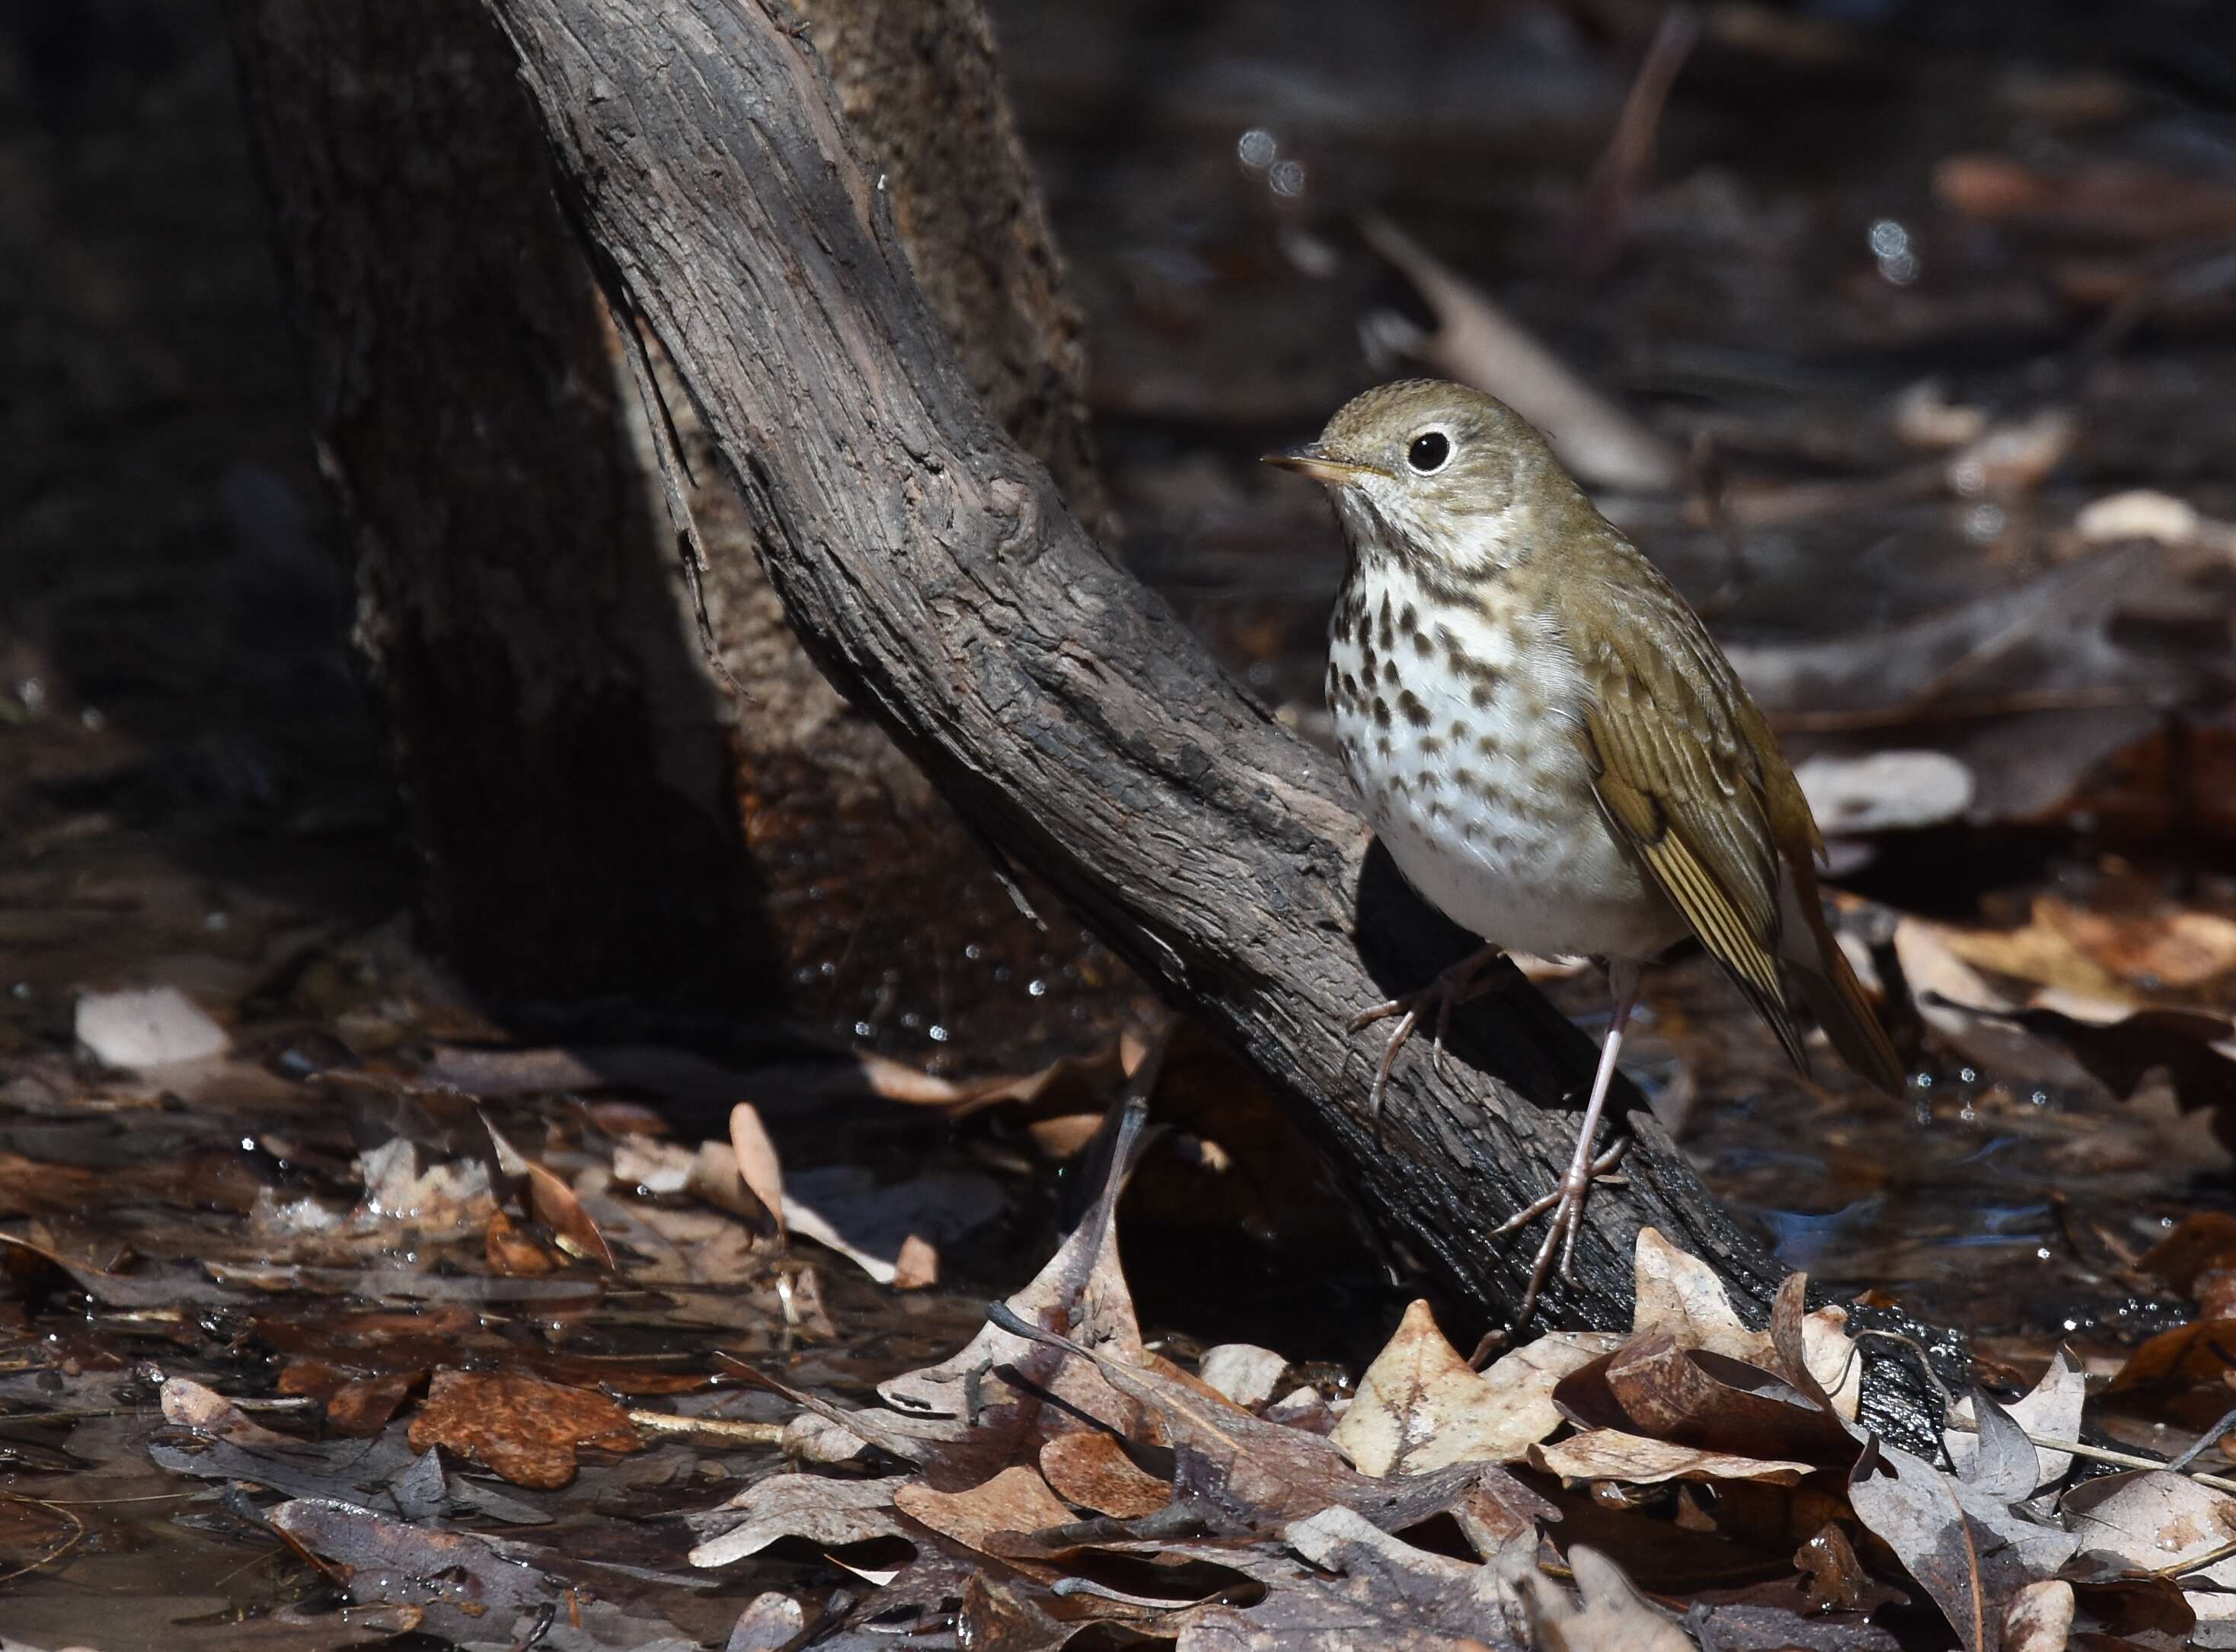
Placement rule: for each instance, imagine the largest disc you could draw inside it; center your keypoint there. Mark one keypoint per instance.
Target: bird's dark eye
(1429, 450)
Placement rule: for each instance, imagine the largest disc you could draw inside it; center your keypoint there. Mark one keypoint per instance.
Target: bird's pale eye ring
(1430, 452)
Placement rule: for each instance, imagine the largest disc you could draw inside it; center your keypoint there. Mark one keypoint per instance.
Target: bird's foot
(1456, 985)
(1567, 1203)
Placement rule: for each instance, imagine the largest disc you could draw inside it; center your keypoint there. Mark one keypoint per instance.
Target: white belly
(1475, 778)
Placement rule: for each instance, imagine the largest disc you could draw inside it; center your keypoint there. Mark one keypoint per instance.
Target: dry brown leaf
(1913, 1508)
(758, 1165)
(1611, 1454)
(896, 1081)
(2038, 952)
(917, 1267)
(1083, 1288)
(1016, 1500)
(2169, 950)
(1092, 1470)
(2103, 199)
(2015, 455)
(999, 1616)
(1241, 1473)
(823, 1509)
(1678, 1294)
(553, 1203)
(2204, 1242)
(1681, 1294)
(519, 1425)
(1064, 1135)
(2139, 513)
(361, 1408)
(2200, 1354)
(1421, 1407)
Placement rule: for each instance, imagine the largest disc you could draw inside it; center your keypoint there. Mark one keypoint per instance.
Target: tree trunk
(597, 819)
(932, 569)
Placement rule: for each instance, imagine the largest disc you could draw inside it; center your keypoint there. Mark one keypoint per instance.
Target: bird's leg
(1566, 1201)
(1456, 984)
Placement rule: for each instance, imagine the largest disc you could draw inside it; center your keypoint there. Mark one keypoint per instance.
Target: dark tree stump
(603, 828)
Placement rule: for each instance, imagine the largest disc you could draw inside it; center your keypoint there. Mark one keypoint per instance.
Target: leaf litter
(1451, 1507)
(1693, 1479)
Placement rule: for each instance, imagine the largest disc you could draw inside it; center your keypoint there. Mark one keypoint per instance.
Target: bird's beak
(1316, 462)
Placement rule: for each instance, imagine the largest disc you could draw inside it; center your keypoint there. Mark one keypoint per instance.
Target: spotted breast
(1441, 701)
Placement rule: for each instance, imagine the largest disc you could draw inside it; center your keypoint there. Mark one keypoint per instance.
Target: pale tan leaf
(917, 1267)
(1636, 1460)
(2039, 1617)
(1678, 1293)
(758, 1166)
(1421, 1406)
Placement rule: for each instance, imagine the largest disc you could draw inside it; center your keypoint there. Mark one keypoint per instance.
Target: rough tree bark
(932, 569)
(597, 819)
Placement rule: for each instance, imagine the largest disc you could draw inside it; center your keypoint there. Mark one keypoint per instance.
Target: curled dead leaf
(1611, 1454)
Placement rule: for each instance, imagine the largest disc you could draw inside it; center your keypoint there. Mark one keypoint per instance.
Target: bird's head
(1441, 477)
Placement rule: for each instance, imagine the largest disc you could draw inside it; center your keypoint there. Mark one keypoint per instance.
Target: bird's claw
(1567, 1203)
(1456, 985)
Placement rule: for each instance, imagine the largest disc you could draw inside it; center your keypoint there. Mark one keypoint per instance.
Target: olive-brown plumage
(1552, 747)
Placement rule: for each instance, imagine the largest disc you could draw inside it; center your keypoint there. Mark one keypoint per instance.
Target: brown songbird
(1552, 749)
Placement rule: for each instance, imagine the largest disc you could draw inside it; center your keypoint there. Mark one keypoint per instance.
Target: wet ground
(194, 793)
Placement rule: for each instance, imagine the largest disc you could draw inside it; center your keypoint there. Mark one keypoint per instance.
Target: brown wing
(1675, 775)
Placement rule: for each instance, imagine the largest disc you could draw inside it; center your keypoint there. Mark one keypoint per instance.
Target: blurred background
(1903, 330)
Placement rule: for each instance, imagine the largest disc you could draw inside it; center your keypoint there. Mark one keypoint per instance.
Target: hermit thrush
(1549, 744)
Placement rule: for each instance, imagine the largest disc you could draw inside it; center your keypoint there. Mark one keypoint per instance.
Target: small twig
(710, 1428)
(2102, 1454)
(2197, 1446)
(1615, 179)
(2197, 1563)
(76, 1537)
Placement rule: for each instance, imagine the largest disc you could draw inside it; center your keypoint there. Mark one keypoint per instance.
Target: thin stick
(2102, 1454)
(2197, 1563)
(76, 1537)
(715, 1428)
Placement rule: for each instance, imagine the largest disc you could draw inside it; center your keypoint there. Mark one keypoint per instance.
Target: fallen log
(931, 568)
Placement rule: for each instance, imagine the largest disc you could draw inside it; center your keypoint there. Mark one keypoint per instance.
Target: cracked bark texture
(597, 820)
(932, 569)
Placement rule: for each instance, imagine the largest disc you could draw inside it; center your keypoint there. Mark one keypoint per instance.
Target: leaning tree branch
(931, 568)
